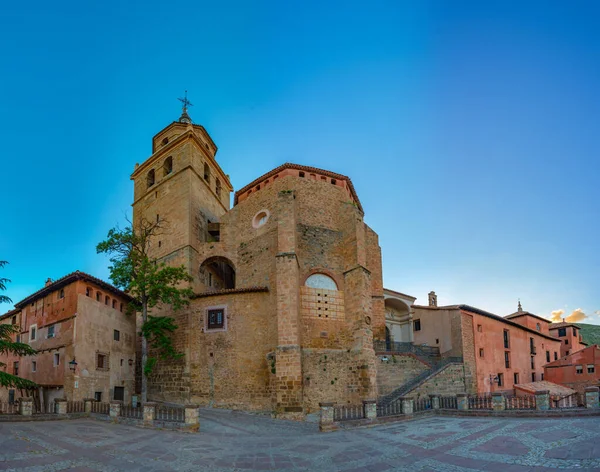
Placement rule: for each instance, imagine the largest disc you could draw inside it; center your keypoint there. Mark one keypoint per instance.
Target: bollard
(326, 419)
(435, 401)
(542, 400)
(370, 408)
(115, 409)
(498, 403)
(591, 397)
(149, 413)
(26, 406)
(462, 401)
(192, 418)
(60, 406)
(408, 405)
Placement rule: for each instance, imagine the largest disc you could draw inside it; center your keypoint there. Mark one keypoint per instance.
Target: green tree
(7, 346)
(149, 283)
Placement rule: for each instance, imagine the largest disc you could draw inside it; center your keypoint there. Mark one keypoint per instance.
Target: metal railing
(480, 402)
(448, 403)
(575, 400)
(526, 402)
(348, 412)
(167, 413)
(101, 408)
(8, 408)
(131, 412)
(391, 409)
(406, 348)
(75, 407)
(422, 404)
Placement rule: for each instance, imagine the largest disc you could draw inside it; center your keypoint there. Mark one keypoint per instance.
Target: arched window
(106, 300)
(168, 165)
(114, 305)
(150, 178)
(321, 281)
(98, 296)
(218, 188)
(206, 172)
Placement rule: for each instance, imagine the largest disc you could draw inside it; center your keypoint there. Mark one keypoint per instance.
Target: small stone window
(579, 369)
(121, 308)
(33, 366)
(150, 178)
(417, 325)
(507, 359)
(333, 182)
(33, 333)
(516, 378)
(500, 380)
(301, 174)
(168, 165)
(107, 300)
(591, 369)
(98, 296)
(56, 359)
(538, 327)
(218, 188)
(116, 335)
(114, 304)
(480, 352)
(101, 361)
(88, 292)
(50, 331)
(61, 293)
(533, 377)
(479, 328)
(206, 172)
(165, 141)
(216, 318)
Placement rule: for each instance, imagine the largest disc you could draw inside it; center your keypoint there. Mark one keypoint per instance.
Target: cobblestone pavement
(234, 441)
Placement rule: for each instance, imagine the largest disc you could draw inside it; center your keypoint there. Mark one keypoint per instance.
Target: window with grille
(507, 360)
(101, 361)
(215, 319)
(506, 339)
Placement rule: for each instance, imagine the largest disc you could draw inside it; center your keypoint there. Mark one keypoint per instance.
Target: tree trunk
(144, 354)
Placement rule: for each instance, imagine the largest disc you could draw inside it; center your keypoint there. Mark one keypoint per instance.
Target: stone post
(462, 401)
(149, 413)
(542, 400)
(370, 408)
(326, 419)
(591, 397)
(192, 418)
(115, 409)
(498, 401)
(87, 403)
(60, 406)
(26, 406)
(408, 405)
(435, 401)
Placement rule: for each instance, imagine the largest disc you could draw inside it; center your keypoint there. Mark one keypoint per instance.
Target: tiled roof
(8, 314)
(230, 291)
(563, 324)
(69, 279)
(555, 389)
(289, 165)
(399, 293)
(525, 313)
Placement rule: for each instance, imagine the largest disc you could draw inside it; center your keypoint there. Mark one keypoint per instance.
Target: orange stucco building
(81, 319)
(498, 352)
(570, 337)
(577, 370)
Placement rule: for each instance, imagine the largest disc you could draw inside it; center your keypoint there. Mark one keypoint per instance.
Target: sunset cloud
(576, 315)
(556, 316)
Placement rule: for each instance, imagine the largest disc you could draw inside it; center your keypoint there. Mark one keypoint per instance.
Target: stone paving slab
(235, 441)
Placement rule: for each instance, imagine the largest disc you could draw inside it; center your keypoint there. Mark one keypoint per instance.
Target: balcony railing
(406, 348)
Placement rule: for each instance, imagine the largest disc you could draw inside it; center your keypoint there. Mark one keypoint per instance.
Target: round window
(260, 218)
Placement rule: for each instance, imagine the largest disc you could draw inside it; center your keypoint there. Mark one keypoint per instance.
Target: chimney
(432, 298)
(48, 282)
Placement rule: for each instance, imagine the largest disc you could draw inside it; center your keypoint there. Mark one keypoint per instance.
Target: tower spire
(185, 118)
(520, 310)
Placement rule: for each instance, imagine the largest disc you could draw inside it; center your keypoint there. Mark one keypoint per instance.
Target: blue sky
(468, 128)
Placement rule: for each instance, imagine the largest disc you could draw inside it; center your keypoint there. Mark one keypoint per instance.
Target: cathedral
(288, 282)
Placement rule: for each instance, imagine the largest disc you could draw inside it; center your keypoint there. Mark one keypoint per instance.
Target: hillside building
(577, 370)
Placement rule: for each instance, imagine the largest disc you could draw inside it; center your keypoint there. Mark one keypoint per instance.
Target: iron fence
(101, 408)
(390, 409)
(9, 408)
(480, 402)
(167, 413)
(75, 407)
(512, 402)
(348, 412)
(422, 404)
(131, 412)
(448, 403)
(575, 400)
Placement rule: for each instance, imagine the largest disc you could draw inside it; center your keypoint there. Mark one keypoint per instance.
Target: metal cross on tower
(186, 102)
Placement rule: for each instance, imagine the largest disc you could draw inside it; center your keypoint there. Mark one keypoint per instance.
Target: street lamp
(73, 365)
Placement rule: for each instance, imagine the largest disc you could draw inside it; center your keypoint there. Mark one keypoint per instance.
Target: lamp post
(73, 365)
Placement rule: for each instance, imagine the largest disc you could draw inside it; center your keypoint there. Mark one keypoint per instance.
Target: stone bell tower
(182, 187)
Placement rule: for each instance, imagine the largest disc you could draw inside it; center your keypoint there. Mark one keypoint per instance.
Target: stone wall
(396, 371)
(449, 381)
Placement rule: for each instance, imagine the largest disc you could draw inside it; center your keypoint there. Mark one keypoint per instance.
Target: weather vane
(186, 102)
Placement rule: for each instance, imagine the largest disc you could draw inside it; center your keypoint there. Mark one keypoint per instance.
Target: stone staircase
(436, 367)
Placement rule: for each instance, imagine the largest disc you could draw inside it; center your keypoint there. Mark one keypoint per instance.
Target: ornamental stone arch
(217, 273)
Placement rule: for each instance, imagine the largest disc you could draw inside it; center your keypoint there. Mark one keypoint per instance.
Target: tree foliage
(8, 346)
(149, 283)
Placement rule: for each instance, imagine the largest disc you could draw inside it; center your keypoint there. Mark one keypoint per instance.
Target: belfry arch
(217, 273)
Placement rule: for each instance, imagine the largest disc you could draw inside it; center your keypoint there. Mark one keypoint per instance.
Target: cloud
(556, 316)
(576, 315)
(598, 312)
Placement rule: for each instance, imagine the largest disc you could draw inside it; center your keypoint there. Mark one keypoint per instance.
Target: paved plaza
(235, 441)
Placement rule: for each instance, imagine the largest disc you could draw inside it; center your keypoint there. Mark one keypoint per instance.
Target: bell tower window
(206, 172)
(168, 165)
(218, 188)
(150, 178)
